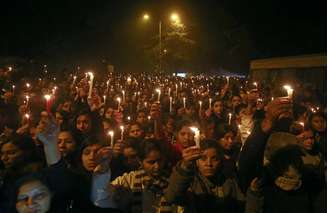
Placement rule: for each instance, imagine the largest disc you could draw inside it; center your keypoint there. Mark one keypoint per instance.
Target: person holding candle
(198, 181)
(150, 182)
(94, 158)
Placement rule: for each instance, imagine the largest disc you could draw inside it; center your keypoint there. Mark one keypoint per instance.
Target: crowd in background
(159, 143)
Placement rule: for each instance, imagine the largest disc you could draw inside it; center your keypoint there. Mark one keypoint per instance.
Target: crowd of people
(160, 143)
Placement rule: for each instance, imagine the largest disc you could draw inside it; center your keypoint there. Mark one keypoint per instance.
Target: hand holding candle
(196, 136)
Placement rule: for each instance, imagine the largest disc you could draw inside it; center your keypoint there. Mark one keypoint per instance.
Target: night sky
(227, 33)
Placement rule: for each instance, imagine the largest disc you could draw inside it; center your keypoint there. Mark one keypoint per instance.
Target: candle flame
(111, 133)
(47, 97)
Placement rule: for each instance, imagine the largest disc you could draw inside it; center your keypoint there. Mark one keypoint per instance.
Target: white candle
(111, 134)
(74, 79)
(200, 106)
(210, 102)
(255, 84)
(27, 116)
(196, 136)
(123, 94)
(227, 79)
(122, 132)
(159, 95)
(184, 102)
(230, 115)
(169, 91)
(289, 90)
(104, 99)
(170, 104)
(90, 83)
(176, 90)
(27, 99)
(107, 85)
(119, 103)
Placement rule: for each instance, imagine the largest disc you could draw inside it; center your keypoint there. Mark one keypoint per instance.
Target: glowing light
(146, 17)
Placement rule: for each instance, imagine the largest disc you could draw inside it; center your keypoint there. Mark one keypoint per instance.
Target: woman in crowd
(198, 181)
(18, 156)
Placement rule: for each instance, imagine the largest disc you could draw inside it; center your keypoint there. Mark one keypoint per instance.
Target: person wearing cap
(272, 169)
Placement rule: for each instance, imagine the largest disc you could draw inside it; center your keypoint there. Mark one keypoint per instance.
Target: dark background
(227, 33)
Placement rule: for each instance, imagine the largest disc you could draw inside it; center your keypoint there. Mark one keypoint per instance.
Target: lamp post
(175, 19)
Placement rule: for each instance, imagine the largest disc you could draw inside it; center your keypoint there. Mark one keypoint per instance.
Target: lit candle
(159, 95)
(123, 95)
(210, 102)
(301, 123)
(184, 102)
(129, 80)
(28, 85)
(129, 118)
(54, 90)
(170, 104)
(111, 134)
(107, 85)
(145, 104)
(13, 88)
(176, 90)
(90, 83)
(196, 136)
(230, 115)
(27, 116)
(104, 99)
(149, 117)
(122, 132)
(169, 91)
(74, 79)
(255, 84)
(118, 99)
(289, 90)
(47, 97)
(200, 106)
(27, 99)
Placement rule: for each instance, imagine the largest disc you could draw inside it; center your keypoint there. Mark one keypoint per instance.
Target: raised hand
(50, 132)
(189, 155)
(103, 158)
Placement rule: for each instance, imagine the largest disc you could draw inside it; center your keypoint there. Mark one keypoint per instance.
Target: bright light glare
(145, 17)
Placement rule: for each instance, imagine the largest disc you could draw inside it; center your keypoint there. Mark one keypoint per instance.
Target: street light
(175, 19)
(145, 17)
